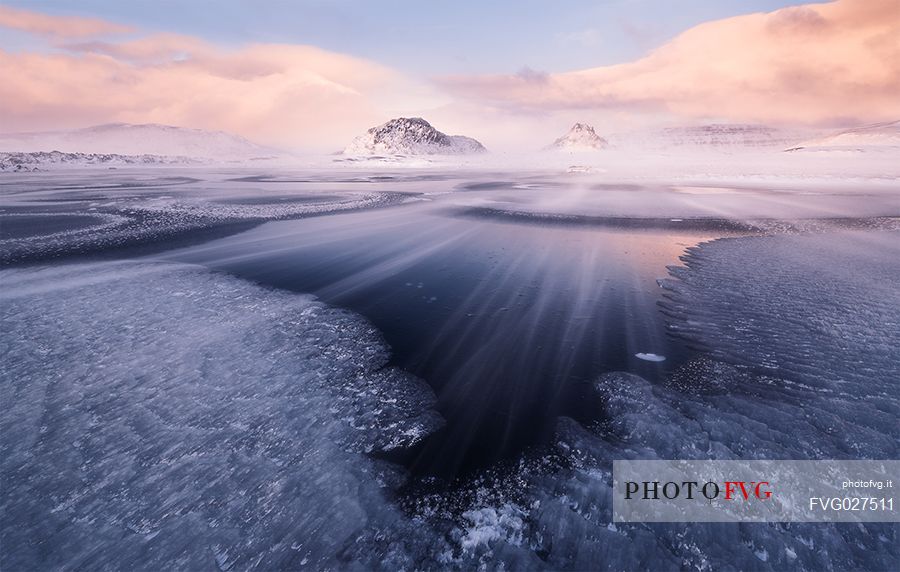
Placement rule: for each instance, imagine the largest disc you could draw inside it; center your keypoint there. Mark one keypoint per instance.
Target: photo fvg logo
(755, 491)
(709, 490)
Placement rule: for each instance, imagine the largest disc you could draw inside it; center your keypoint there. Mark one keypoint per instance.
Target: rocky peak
(580, 136)
(411, 136)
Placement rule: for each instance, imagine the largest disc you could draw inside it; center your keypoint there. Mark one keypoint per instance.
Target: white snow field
(880, 137)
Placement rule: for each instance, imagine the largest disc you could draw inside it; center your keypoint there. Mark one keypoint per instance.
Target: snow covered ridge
(711, 137)
(880, 136)
(40, 160)
(411, 136)
(581, 137)
(724, 135)
(141, 139)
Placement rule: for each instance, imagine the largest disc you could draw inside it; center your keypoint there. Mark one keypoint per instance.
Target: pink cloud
(818, 63)
(287, 95)
(57, 26)
(155, 48)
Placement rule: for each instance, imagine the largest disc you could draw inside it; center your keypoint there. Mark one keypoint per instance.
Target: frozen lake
(426, 368)
(509, 323)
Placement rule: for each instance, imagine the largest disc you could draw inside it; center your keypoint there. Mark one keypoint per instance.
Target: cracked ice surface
(161, 416)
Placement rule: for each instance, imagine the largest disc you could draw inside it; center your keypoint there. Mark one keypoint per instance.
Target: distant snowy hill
(581, 137)
(722, 137)
(877, 137)
(42, 160)
(726, 135)
(411, 136)
(144, 139)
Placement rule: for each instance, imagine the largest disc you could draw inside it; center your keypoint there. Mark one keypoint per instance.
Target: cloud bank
(832, 63)
(287, 95)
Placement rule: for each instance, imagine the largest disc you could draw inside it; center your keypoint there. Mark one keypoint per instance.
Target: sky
(437, 36)
(313, 73)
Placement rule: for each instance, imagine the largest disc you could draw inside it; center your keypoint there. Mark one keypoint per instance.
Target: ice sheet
(802, 333)
(161, 416)
(145, 210)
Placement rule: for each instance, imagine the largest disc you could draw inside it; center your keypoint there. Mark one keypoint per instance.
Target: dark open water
(508, 323)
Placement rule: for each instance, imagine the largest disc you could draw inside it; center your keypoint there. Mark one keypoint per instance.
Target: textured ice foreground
(161, 416)
(805, 332)
(164, 417)
(821, 312)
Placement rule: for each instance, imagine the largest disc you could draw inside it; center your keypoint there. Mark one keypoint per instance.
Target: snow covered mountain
(144, 139)
(880, 136)
(411, 136)
(43, 160)
(725, 135)
(581, 137)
